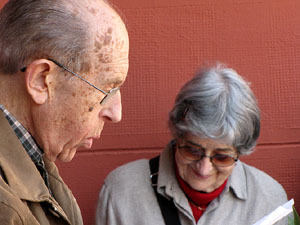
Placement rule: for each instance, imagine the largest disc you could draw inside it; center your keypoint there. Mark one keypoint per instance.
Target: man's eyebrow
(115, 81)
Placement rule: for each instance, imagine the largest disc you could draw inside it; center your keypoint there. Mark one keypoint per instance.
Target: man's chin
(87, 144)
(67, 156)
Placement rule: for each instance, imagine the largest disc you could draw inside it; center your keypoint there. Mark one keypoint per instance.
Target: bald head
(69, 31)
(108, 38)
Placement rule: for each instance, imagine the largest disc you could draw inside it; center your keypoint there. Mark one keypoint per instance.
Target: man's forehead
(110, 37)
(109, 44)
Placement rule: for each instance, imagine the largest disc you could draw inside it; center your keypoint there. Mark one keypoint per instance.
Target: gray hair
(32, 29)
(217, 103)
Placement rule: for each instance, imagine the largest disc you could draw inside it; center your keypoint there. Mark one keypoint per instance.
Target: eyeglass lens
(217, 159)
(109, 94)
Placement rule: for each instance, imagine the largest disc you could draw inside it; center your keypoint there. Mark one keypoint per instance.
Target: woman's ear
(36, 79)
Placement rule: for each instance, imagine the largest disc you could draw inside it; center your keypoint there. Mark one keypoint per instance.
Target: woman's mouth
(200, 176)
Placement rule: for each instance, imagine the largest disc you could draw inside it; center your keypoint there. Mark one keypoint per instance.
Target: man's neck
(14, 97)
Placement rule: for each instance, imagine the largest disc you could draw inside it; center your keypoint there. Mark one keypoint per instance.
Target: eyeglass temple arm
(80, 77)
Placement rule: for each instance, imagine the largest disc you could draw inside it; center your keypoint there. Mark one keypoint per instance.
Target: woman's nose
(112, 109)
(204, 166)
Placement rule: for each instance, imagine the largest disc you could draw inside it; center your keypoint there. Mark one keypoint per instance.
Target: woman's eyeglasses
(217, 159)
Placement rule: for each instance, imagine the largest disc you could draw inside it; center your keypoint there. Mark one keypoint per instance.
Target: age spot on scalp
(75, 12)
(107, 58)
(98, 46)
(107, 39)
(107, 36)
(103, 46)
(104, 58)
(94, 11)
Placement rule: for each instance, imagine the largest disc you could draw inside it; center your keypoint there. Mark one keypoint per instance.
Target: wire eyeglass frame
(202, 155)
(107, 94)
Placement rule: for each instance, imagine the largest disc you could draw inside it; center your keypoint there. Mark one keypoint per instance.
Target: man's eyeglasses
(217, 159)
(107, 94)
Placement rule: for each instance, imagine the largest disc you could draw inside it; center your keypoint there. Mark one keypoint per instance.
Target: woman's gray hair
(32, 29)
(217, 103)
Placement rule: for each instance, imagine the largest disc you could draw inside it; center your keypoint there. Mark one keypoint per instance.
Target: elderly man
(61, 66)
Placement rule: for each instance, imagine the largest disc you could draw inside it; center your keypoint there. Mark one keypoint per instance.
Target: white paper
(277, 214)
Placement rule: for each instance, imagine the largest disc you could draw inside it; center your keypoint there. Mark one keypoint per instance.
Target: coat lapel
(22, 175)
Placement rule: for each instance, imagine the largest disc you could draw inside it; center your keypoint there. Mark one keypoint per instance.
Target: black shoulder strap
(167, 207)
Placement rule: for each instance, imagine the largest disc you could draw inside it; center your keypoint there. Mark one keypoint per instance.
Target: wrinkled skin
(202, 175)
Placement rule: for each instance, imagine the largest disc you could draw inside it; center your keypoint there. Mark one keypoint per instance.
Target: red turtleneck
(198, 200)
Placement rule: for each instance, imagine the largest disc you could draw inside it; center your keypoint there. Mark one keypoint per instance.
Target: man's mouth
(87, 143)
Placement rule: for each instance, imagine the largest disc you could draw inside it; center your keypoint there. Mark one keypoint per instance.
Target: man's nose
(112, 109)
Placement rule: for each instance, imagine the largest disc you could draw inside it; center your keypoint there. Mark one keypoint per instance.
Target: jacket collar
(167, 184)
(237, 182)
(21, 173)
(24, 178)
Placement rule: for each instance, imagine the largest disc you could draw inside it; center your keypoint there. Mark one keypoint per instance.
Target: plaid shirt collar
(24, 136)
(29, 145)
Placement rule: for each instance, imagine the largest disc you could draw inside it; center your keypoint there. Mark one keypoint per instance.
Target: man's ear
(36, 79)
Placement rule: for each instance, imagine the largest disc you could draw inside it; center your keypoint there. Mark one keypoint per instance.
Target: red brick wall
(169, 39)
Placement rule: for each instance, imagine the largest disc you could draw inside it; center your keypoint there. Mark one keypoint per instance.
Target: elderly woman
(198, 178)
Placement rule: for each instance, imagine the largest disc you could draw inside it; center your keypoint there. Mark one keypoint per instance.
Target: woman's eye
(195, 151)
(222, 157)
